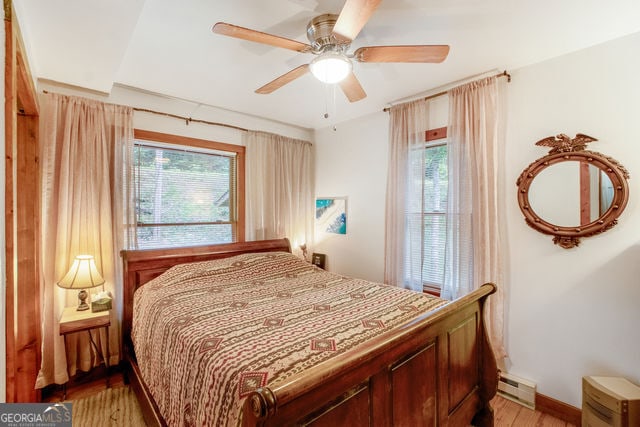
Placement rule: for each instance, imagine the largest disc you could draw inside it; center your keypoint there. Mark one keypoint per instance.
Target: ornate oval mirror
(572, 192)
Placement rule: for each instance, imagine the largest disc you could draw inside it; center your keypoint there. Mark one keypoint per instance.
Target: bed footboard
(438, 370)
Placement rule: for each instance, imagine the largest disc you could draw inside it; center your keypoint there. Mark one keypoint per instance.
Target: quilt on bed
(207, 334)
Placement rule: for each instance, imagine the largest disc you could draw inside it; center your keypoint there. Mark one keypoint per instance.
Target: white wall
(570, 312)
(575, 312)
(352, 161)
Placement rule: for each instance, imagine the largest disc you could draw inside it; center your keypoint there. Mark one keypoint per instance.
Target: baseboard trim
(559, 409)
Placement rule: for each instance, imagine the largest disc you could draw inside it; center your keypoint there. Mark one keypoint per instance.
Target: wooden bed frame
(436, 370)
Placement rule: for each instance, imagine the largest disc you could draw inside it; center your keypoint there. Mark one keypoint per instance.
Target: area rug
(111, 407)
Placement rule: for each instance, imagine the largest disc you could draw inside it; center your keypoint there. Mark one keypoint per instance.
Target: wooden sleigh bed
(437, 369)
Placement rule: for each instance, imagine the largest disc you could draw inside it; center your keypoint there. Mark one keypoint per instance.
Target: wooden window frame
(238, 150)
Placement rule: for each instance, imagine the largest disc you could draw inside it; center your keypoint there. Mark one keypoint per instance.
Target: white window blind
(426, 217)
(184, 196)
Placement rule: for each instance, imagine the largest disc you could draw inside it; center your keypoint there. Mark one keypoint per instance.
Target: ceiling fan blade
(259, 37)
(354, 15)
(417, 53)
(284, 79)
(352, 88)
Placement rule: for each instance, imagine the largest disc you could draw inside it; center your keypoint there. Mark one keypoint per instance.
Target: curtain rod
(187, 120)
(436, 95)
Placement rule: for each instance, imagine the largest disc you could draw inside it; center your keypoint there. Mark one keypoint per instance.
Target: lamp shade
(330, 67)
(82, 274)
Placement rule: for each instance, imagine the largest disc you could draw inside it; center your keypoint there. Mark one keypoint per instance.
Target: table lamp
(82, 275)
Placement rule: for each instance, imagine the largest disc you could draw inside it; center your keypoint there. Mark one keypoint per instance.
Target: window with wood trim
(188, 191)
(426, 218)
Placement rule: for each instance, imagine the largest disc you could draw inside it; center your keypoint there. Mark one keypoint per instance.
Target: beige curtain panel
(279, 189)
(408, 122)
(474, 241)
(87, 208)
(475, 141)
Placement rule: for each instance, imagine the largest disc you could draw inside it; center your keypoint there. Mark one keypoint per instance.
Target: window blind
(426, 217)
(184, 197)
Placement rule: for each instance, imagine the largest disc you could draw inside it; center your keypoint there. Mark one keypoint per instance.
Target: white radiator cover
(517, 389)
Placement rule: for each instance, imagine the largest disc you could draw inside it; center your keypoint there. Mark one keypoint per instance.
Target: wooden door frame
(22, 218)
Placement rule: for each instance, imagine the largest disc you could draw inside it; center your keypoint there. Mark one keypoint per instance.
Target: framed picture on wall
(331, 214)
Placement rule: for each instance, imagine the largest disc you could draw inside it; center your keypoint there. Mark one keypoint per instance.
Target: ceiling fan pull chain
(326, 101)
(333, 89)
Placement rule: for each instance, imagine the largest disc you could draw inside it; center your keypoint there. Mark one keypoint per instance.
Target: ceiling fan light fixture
(330, 67)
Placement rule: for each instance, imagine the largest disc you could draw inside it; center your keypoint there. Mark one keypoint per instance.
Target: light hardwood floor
(507, 413)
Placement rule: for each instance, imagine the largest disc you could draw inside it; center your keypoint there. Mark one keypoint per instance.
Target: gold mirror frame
(565, 149)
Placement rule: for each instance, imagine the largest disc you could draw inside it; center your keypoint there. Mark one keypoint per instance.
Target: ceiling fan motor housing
(320, 34)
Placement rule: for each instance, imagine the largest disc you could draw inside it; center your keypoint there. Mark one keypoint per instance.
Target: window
(188, 191)
(426, 216)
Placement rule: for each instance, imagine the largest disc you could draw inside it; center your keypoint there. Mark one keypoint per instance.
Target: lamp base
(82, 296)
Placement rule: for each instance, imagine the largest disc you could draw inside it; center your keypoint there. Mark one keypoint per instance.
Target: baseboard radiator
(517, 389)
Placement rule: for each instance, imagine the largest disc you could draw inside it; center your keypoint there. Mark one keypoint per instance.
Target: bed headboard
(140, 266)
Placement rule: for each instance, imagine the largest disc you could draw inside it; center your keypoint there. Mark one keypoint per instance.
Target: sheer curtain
(279, 189)
(87, 207)
(475, 139)
(408, 123)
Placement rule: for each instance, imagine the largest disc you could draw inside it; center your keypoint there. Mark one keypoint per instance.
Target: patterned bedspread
(207, 334)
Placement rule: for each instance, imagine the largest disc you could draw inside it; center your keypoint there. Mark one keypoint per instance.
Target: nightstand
(73, 321)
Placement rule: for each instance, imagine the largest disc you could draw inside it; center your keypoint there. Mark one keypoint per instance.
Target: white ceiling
(166, 46)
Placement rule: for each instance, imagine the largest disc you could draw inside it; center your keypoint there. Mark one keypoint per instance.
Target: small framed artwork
(318, 260)
(331, 214)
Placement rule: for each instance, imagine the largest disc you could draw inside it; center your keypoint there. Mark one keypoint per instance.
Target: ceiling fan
(331, 36)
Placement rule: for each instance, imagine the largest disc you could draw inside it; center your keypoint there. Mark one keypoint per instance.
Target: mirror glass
(571, 193)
